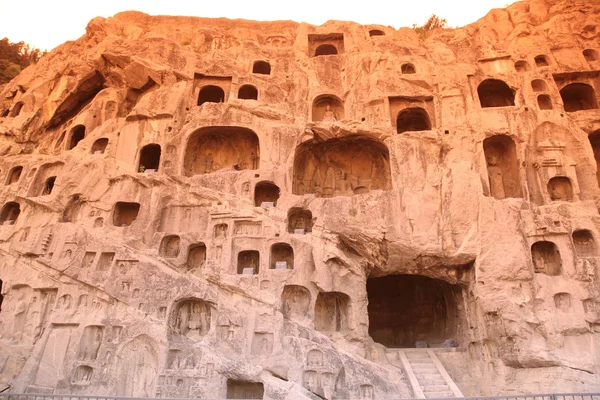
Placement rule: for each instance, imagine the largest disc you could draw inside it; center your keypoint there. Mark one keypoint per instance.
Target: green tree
(14, 57)
(432, 23)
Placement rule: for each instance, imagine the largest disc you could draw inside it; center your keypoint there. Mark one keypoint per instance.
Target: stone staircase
(428, 377)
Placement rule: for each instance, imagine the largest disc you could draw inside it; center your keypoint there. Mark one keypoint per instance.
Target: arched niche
(248, 262)
(261, 67)
(591, 55)
(16, 109)
(332, 311)
(546, 258)
(282, 256)
(190, 317)
(541, 61)
(584, 243)
(149, 158)
(196, 256)
(341, 167)
(539, 85)
(99, 146)
(76, 135)
(295, 301)
(560, 189)
(265, 193)
(502, 167)
(218, 148)
(124, 213)
(326, 50)
(376, 32)
(248, 92)
(10, 212)
(327, 108)
(578, 97)
(406, 309)
(139, 359)
(495, 93)
(408, 68)
(413, 119)
(48, 186)
(300, 220)
(169, 246)
(594, 139)
(211, 94)
(544, 102)
(14, 175)
(522, 66)
(45, 179)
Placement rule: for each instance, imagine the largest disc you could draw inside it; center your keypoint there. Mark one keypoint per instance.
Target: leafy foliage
(14, 57)
(432, 23)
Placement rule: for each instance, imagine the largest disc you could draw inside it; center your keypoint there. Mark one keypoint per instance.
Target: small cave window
(544, 102)
(578, 97)
(495, 93)
(5, 113)
(282, 256)
(196, 256)
(99, 146)
(125, 213)
(248, 92)
(546, 258)
(244, 390)
(590, 55)
(248, 262)
(584, 243)
(408, 68)
(211, 94)
(539, 85)
(149, 158)
(413, 119)
(261, 67)
(14, 175)
(376, 32)
(17, 109)
(326, 50)
(10, 212)
(76, 136)
(300, 221)
(332, 312)
(563, 301)
(594, 139)
(169, 247)
(522, 66)
(560, 189)
(541, 61)
(48, 186)
(266, 194)
(502, 167)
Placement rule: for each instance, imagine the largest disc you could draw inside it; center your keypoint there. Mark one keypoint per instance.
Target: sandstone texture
(215, 208)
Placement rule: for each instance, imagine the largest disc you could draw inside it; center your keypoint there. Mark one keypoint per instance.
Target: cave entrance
(408, 309)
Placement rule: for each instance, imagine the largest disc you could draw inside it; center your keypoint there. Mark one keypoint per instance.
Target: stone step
(439, 395)
(435, 388)
(416, 355)
(425, 363)
(431, 382)
(428, 375)
(424, 368)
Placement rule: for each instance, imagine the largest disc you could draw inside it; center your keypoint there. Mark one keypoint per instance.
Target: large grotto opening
(221, 148)
(341, 167)
(495, 93)
(413, 311)
(578, 97)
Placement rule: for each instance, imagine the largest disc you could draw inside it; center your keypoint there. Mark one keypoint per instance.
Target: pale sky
(47, 23)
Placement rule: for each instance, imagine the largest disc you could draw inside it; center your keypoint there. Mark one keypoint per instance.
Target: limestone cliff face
(214, 208)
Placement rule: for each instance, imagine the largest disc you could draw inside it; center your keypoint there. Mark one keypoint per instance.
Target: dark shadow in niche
(124, 213)
(579, 97)
(590, 55)
(541, 61)
(539, 85)
(408, 69)
(594, 138)
(495, 93)
(376, 32)
(326, 50)
(244, 390)
(248, 262)
(299, 221)
(211, 94)
(341, 167)
(560, 189)
(546, 258)
(76, 135)
(149, 158)
(10, 212)
(332, 312)
(261, 67)
(14, 175)
(266, 194)
(169, 247)
(584, 243)
(404, 309)
(221, 148)
(282, 256)
(16, 109)
(248, 92)
(48, 186)
(327, 108)
(44, 179)
(544, 102)
(196, 256)
(413, 119)
(99, 146)
(502, 167)
(522, 66)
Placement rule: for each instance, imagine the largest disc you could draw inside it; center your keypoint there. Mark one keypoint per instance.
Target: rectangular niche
(202, 81)
(325, 44)
(244, 390)
(412, 113)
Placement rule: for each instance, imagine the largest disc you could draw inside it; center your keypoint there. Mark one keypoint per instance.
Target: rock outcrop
(217, 208)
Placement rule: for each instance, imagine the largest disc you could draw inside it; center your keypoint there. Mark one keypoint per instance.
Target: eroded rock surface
(224, 209)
